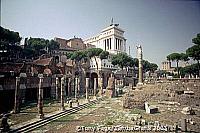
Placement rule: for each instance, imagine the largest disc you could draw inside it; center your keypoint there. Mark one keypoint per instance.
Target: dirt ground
(110, 112)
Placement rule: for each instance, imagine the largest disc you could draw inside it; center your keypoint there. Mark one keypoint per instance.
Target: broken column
(183, 125)
(40, 98)
(150, 109)
(110, 90)
(100, 82)
(87, 88)
(95, 87)
(139, 54)
(57, 86)
(62, 94)
(17, 96)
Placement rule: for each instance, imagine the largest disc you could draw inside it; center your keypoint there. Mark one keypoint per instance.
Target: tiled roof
(43, 62)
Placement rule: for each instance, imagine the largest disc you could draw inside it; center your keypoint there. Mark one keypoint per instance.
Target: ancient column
(95, 87)
(110, 90)
(40, 99)
(69, 87)
(87, 88)
(57, 86)
(53, 87)
(101, 86)
(17, 97)
(183, 125)
(22, 87)
(76, 88)
(139, 54)
(62, 94)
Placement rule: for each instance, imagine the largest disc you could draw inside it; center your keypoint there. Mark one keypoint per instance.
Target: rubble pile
(130, 102)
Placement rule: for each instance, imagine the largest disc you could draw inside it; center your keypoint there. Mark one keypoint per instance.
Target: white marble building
(110, 39)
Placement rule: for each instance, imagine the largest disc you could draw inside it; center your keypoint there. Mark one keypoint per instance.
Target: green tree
(196, 40)
(121, 59)
(52, 45)
(184, 57)
(37, 45)
(153, 67)
(169, 58)
(9, 42)
(95, 52)
(190, 70)
(77, 56)
(194, 53)
(28, 53)
(175, 57)
(103, 55)
(147, 66)
(69, 54)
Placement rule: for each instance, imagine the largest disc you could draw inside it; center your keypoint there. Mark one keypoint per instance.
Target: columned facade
(110, 39)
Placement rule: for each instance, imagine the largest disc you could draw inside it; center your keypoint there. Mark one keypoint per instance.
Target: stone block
(150, 109)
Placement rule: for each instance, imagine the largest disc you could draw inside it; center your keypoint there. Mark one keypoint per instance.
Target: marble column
(69, 87)
(101, 85)
(62, 94)
(17, 96)
(76, 88)
(95, 86)
(140, 55)
(53, 87)
(87, 88)
(40, 99)
(57, 86)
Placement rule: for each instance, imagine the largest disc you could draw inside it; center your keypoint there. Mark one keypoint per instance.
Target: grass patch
(137, 111)
(109, 123)
(92, 106)
(90, 125)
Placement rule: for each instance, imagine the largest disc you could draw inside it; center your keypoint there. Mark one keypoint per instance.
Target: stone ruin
(110, 90)
(188, 111)
(129, 102)
(150, 109)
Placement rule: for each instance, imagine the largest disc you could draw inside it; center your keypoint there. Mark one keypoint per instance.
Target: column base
(62, 109)
(40, 116)
(87, 100)
(140, 84)
(95, 97)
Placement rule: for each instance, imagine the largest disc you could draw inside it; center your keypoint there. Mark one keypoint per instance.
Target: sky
(161, 27)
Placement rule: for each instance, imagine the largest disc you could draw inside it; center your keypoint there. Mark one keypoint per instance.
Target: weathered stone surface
(188, 111)
(110, 90)
(150, 109)
(129, 102)
(111, 83)
(4, 124)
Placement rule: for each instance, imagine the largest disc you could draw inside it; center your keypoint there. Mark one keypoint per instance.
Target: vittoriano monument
(139, 56)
